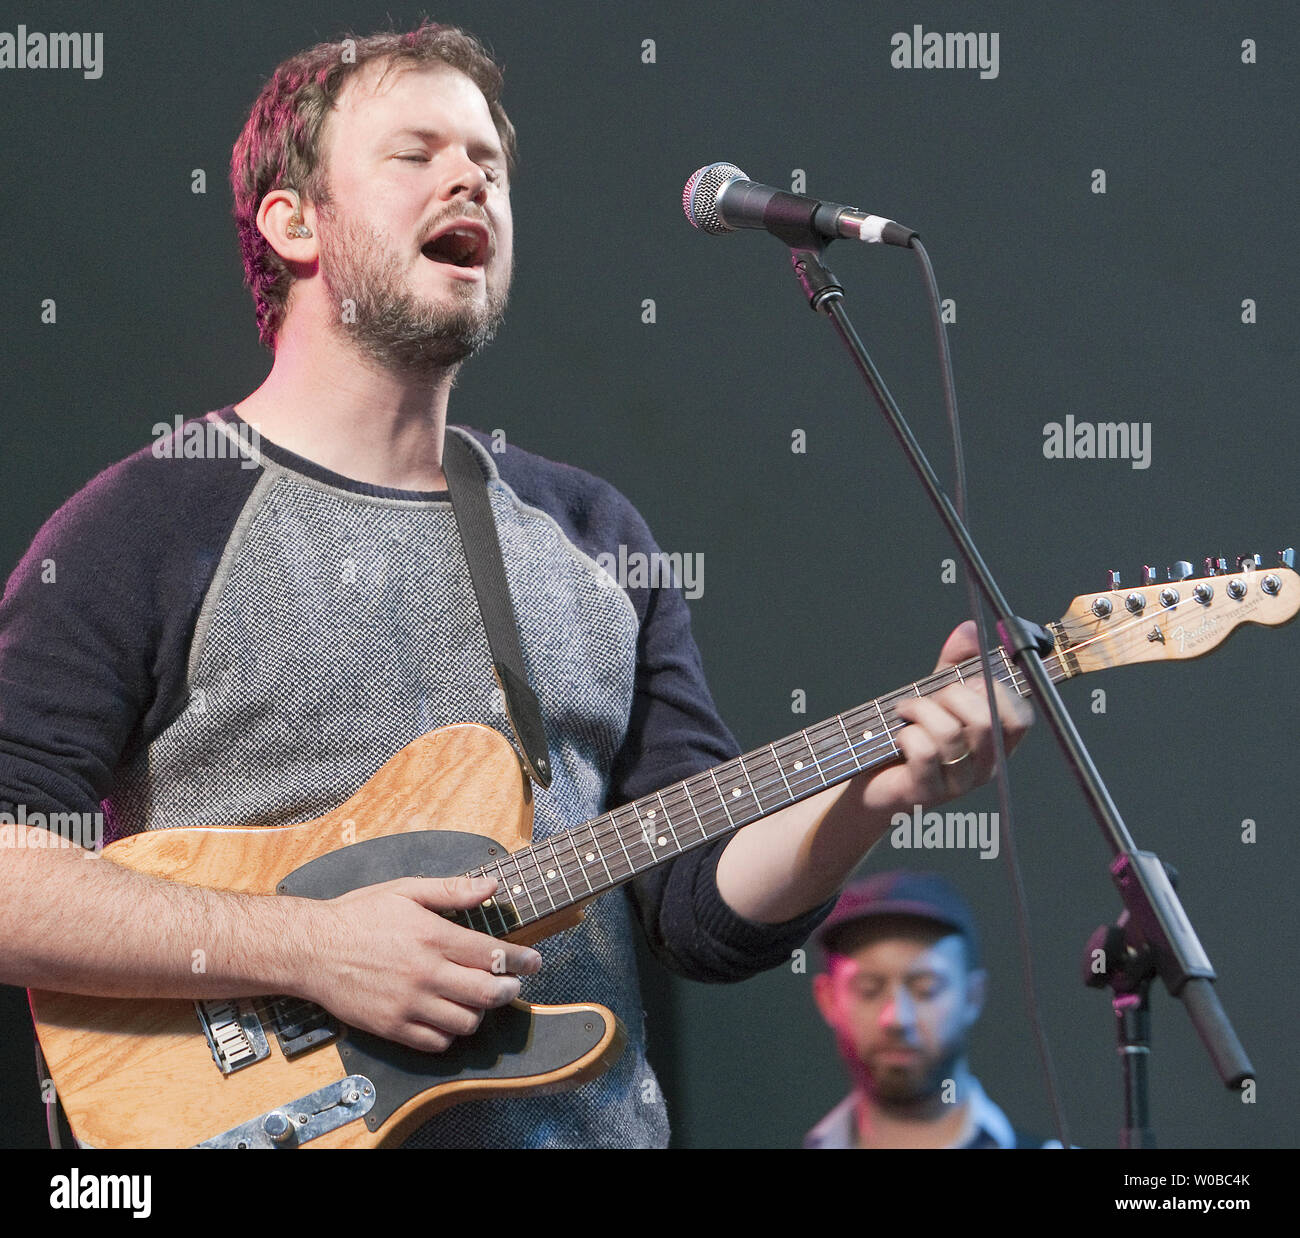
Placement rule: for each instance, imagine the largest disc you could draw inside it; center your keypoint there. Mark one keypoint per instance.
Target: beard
(905, 1087)
(390, 324)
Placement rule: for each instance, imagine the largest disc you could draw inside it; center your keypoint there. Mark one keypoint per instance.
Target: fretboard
(574, 865)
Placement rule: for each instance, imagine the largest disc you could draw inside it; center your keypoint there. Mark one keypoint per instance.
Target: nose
(899, 1011)
(464, 178)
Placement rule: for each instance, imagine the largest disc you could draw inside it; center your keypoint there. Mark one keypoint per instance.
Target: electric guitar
(280, 1072)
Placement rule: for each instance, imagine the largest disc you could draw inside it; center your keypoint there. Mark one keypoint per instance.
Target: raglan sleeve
(74, 660)
(675, 732)
(95, 624)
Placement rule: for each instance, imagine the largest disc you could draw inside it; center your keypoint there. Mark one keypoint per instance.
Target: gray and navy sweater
(235, 639)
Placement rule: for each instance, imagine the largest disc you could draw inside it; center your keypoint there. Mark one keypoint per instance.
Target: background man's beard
(395, 328)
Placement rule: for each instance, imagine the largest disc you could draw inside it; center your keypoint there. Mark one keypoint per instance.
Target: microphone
(719, 198)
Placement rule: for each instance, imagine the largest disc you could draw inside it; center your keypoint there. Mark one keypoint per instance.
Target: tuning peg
(1247, 563)
(1112, 580)
(1148, 575)
(1286, 558)
(1181, 570)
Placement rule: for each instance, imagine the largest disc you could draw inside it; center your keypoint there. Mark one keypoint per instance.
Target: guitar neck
(547, 877)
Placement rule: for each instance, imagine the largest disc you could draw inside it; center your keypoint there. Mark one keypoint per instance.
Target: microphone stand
(1156, 919)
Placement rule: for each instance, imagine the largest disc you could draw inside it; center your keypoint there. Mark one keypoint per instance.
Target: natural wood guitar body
(140, 1073)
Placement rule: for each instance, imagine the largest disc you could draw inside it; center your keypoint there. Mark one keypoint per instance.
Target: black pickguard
(512, 1042)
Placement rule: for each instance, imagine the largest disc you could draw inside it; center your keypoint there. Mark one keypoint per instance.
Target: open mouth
(461, 245)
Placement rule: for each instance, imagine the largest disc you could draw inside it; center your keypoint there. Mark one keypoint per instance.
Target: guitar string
(831, 763)
(821, 764)
(607, 827)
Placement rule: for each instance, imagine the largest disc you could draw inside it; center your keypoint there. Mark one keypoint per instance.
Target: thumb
(961, 644)
(446, 893)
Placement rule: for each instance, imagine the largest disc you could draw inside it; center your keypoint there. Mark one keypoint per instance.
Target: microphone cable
(1011, 857)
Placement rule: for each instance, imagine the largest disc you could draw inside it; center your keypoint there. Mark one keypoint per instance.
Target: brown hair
(280, 143)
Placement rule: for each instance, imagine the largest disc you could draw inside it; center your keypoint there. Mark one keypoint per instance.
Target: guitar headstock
(1182, 618)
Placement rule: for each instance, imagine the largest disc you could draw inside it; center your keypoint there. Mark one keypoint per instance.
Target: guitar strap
(478, 535)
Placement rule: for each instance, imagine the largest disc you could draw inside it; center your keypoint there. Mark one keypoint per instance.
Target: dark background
(822, 570)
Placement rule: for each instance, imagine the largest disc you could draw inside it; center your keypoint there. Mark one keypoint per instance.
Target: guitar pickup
(234, 1034)
(300, 1026)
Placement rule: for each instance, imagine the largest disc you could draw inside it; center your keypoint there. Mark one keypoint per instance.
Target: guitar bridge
(234, 1033)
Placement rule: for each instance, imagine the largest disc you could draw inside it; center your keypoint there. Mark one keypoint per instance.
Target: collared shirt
(986, 1125)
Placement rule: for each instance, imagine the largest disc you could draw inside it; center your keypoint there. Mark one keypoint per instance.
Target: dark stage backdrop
(1111, 214)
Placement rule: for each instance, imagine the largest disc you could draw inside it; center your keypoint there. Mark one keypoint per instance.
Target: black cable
(1011, 857)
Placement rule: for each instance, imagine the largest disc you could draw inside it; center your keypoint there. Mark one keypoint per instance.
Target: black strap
(478, 535)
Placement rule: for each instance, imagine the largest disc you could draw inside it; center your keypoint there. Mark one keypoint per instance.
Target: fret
(599, 851)
(521, 887)
(722, 797)
(744, 769)
(672, 831)
(558, 870)
(853, 756)
(545, 885)
(823, 761)
(817, 765)
(737, 794)
(779, 770)
(1011, 671)
(686, 786)
(645, 834)
(495, 900)
(618, 833)
(884, 723)
(484, 926)
(582, 864)
(960, 677)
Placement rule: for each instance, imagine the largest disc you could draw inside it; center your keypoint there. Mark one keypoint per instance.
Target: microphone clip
(818, 282)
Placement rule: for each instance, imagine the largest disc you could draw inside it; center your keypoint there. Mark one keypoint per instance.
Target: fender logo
(1192, 636)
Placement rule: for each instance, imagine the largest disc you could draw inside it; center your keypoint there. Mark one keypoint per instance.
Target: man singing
(245, 641)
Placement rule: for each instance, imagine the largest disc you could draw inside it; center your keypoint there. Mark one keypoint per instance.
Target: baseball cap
(922, 896)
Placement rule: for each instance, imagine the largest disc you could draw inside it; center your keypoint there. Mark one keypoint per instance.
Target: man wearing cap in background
(902, 988)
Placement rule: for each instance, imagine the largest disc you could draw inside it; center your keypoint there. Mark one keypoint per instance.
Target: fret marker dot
(867, 734)
(735, 791)
(650, 816)
(798, 765)
(591, 855)
(487, 902)
(516, 889)
(662, 841)
(550, 874)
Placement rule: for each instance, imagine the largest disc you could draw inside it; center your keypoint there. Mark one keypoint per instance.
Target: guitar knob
(1148, 575)
(278, 1128)
(1181, 570)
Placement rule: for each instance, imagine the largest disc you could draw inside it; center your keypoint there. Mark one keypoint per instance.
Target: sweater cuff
(749, 945)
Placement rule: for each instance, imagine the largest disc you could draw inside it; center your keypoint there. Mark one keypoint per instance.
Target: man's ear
(976, 988)
(823, 988)
(282, 219)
